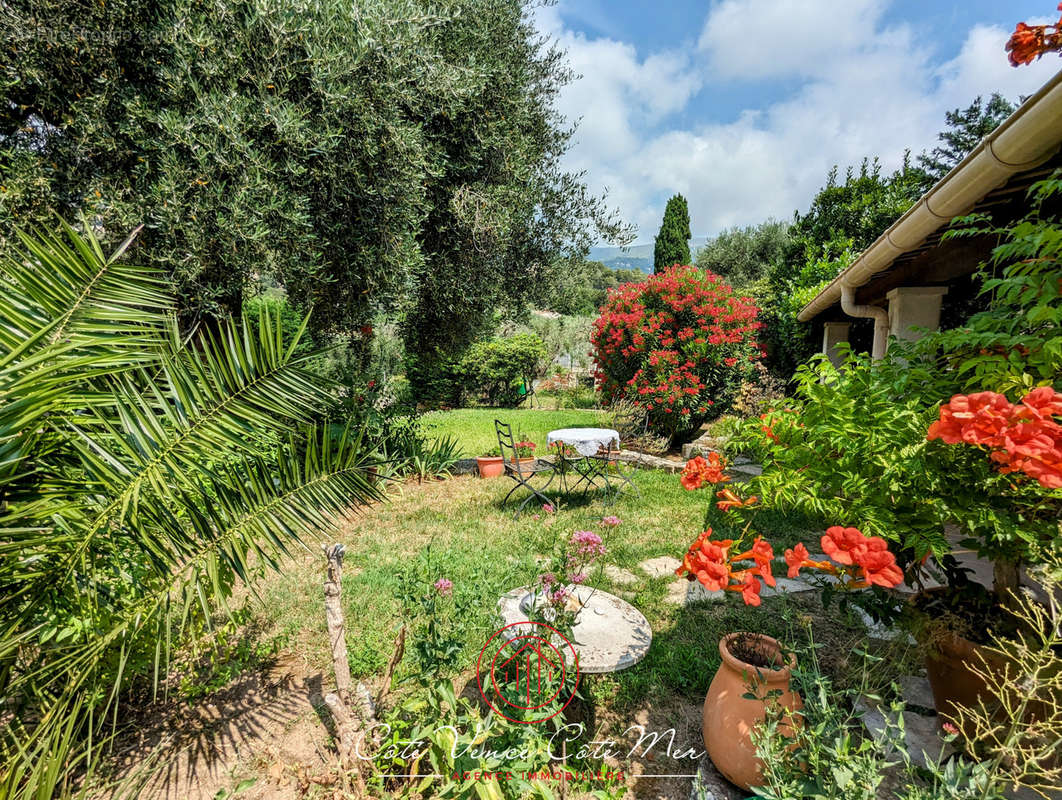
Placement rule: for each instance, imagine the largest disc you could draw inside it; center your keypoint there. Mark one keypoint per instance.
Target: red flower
(729, 500)
(796, 557)
(1045, 401)
(767, 429)
(879, 567)
(1023, 438)
(750, 590)
(699, 471)
(763, 555)
(843, 545)
(1029, 42)
(713, 576)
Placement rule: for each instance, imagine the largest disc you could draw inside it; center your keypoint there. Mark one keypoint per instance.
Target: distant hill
(629, 262)
(637, 256)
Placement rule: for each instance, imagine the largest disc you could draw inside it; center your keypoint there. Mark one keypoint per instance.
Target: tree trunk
(1006, 581)
(334, 617)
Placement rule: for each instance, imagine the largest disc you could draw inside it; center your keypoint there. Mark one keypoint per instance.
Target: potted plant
(525, 451)
(491, 464)
(755, 671)
(861, 439)
(1023, 442)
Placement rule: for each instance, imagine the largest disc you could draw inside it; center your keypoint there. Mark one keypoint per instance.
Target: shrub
(851, 444)
(758, 393)
(676, 344)
(569, 397)
(494, 372)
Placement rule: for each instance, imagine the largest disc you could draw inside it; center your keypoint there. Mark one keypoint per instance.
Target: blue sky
(743, 105)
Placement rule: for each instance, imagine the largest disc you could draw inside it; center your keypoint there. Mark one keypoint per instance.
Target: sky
(743, 106)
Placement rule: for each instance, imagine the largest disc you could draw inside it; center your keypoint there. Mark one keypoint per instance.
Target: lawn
(474, 427)
(456, 529)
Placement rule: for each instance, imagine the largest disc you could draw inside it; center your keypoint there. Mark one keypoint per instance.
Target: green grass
(474, 427)
(459, 528)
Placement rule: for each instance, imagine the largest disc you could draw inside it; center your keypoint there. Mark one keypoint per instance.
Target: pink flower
(444, 587)
(548, 508)
(610, 521)
(587, 543)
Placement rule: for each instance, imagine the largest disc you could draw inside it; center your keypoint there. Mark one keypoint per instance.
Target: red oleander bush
(677, 345)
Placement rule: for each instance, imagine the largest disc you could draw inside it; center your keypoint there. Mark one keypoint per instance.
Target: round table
(609, 635)
(586, 441)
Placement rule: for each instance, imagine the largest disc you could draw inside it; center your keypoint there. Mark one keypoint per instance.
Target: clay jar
(729, 717)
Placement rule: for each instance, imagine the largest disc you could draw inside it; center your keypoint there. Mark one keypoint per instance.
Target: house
(909, 280)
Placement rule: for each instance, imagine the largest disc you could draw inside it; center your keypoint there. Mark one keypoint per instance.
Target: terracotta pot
(490, 466)
(729, 717)
(528, 460)
(950, 662)
(949, 666)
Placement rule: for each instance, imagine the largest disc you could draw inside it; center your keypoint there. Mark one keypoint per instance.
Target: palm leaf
(140, 474)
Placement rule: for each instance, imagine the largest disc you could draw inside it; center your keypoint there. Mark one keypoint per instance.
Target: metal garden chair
(522, 473)
(610, 471)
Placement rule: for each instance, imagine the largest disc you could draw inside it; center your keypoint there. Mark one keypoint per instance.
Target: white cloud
(862, 89)
(748, 40)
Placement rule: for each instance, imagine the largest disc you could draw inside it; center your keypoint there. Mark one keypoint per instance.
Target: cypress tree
(673, 241)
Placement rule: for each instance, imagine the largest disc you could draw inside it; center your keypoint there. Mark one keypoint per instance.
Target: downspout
(876, 313)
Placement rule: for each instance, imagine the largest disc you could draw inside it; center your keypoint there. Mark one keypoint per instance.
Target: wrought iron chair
(522, 473)
(609, 470)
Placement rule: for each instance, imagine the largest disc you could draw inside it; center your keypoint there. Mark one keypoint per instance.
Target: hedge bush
(493, 372)
(677, 344)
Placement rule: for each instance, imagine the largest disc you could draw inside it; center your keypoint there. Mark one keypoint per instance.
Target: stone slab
(650, 462)
(676, 592)
(697, 593)
(746, 469)
(787, 586)
(660, 567)
(620, 575)
(917, 691)
(921, 735)
(702, 446)
(609, 634)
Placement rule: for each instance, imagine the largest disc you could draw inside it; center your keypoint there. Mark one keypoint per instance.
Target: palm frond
(141, 473)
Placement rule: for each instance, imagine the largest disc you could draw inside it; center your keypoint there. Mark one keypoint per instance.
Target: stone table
(609, 635)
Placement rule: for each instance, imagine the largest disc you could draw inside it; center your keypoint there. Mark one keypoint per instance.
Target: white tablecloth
(586, 441)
